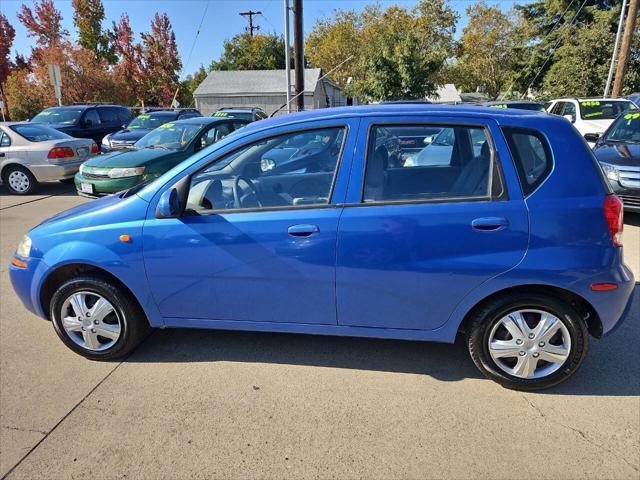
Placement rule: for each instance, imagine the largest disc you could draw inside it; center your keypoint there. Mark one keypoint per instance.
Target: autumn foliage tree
(162, 61)
(130, 67)
(88, 18)
(7, 34)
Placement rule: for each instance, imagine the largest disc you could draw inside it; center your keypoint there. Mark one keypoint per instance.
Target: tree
(88, 17)
(189, 85)
(162, 60)
(130, 66)
(7, 34)
(247, 52)
(394, 53)
(486, 50)
(44, 23)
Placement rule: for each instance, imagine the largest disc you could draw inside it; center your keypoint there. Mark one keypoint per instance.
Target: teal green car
(152, 155)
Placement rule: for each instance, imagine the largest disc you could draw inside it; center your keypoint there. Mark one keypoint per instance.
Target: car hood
(58, 126)
(595, 126)
(623, 154)
(127, 135)
(130, 158)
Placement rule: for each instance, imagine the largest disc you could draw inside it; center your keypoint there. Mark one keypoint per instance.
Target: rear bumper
(50, 172)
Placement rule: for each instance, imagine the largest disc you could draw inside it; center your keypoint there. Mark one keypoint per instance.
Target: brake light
(613, 214)
(94, 148)
(60, 152)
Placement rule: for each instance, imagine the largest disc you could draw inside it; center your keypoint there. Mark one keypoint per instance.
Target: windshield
(604, 109)
(149, 121)
(170, 136)
(625, 129)
(64, 116)
(38, 133)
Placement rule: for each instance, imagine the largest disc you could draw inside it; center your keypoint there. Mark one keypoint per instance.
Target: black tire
(32, 182)
(134, 324)
(484, 319)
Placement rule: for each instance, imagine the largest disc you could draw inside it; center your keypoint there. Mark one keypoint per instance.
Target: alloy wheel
(91, 321)
(529, 343)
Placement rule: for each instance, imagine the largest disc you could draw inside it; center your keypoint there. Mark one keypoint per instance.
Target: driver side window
(291, 170)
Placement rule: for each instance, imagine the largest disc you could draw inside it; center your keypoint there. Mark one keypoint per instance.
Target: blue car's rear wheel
(97, 319)
(527, 342)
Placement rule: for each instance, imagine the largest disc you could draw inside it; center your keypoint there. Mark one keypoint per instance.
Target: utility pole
(607, 87)
(287, 59)
(625, 47)
(251, 14)
(298, 53)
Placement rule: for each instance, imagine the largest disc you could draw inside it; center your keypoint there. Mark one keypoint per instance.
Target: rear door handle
(303, 230)
(489, 224)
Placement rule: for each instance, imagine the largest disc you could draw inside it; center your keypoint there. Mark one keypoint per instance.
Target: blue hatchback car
(302, 224)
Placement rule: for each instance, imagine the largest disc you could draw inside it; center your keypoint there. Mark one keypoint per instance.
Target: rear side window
(531, 154)
(5, 141)
(429, 163)
(108, 115)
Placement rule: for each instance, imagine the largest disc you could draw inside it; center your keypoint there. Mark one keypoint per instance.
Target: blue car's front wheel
(97, 319)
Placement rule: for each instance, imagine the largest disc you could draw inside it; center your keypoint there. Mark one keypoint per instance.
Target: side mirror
(571, 118)
(429, 139)
(591, 137)
(169, 205)
(124, 126)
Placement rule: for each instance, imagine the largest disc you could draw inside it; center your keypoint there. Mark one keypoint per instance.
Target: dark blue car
(143, 124)
(498, 243)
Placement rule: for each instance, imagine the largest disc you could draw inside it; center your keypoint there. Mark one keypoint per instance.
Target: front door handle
(489, 224)
(1, 154)
(303, 230)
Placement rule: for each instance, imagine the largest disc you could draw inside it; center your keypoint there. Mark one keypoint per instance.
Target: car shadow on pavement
(44, 189)
(632, 219)
(612, 367)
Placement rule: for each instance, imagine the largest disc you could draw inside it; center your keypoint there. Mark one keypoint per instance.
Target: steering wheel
(237, 190)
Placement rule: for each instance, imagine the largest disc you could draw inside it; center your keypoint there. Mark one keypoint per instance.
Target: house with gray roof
(266, 89)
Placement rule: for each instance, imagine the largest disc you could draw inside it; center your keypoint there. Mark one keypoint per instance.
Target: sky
(221, 20)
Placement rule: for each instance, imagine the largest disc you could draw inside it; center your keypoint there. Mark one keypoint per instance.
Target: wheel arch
(13, 163)
(57, 276)
(587, 311)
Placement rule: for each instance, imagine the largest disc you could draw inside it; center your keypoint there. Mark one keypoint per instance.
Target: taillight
(60, 152)
(94, 148)
(613, 214)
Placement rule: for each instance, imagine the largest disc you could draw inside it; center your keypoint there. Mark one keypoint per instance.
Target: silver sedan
(31, 153)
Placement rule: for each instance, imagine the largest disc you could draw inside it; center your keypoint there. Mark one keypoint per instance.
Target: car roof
(238, 109)
(589, 99)
(207, 120)
(385, 109)
(85, 106)
(512, 102)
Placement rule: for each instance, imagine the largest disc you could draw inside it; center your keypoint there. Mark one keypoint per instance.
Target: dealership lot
(201, 404)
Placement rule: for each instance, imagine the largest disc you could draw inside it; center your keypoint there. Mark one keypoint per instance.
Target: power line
(206, 7)
(553, 28)
(554, 49)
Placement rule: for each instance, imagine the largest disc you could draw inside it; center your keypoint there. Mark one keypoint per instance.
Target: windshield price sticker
(632, 116)
(144, 116)
(591, 103)
(167, 125)
(501, 105)
(220, 114)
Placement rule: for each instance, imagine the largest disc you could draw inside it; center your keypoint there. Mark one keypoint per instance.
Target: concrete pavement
(205, 404)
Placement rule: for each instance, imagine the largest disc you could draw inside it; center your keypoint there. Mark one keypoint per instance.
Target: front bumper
(51, 171)
(106, 186)
(24, 282)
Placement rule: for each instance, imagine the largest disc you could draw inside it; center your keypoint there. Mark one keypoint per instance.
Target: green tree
(189, 85)
(486, 51)
(246, 52)
(88, 17)
(393, 53)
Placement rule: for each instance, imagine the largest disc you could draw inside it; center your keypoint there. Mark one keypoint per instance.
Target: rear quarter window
(531, 154)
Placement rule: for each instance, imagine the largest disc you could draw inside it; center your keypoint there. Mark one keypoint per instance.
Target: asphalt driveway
(204, 404)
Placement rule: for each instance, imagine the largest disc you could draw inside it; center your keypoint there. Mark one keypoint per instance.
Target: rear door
(413, 240)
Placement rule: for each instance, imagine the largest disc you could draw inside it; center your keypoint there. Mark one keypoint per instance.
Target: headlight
(24, 247)
(610, 171)
(125, 172)
(82, 168)
(106, 141)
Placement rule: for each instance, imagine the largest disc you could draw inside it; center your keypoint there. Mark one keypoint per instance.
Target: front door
(258, 240)
(419, 233)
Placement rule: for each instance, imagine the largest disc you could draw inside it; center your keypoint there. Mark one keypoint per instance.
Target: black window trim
(528, 190)
(344, 126)
(494, 166)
